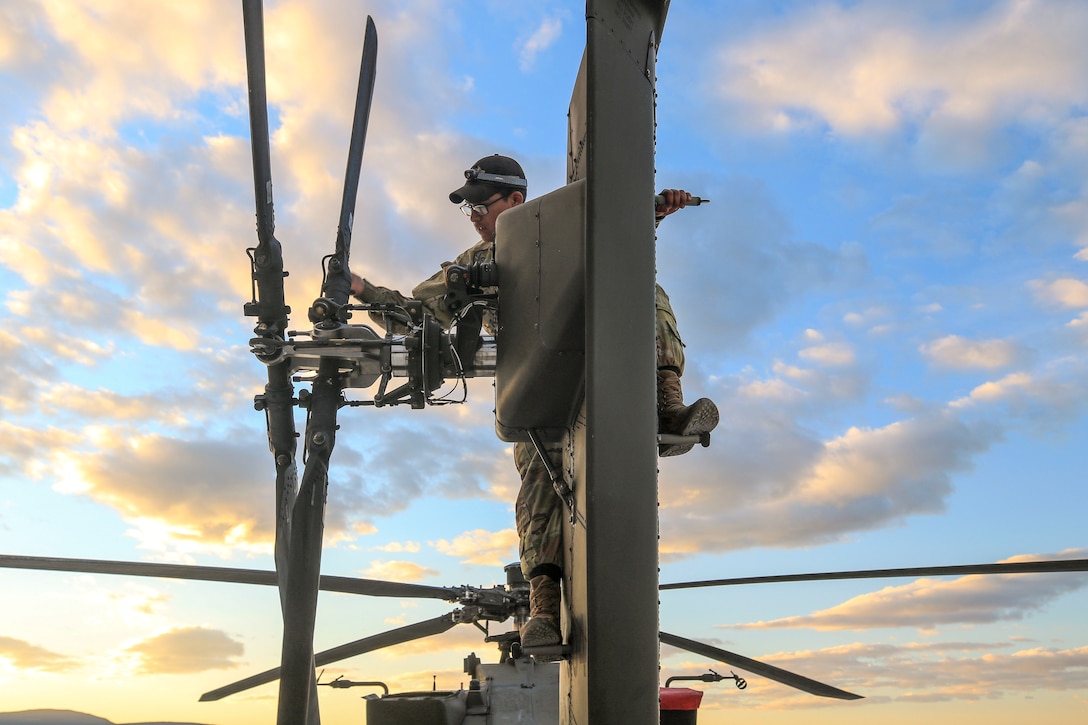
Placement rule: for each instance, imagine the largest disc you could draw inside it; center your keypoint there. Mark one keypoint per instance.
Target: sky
(887, 298)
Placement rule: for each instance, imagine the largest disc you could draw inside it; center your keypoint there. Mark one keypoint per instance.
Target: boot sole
(540, 633)
(703, 418)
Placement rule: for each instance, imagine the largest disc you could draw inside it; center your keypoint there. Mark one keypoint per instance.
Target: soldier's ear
(517, 198)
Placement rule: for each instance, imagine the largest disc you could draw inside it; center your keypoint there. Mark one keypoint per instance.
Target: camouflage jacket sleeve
(432, 291)
(383, 295)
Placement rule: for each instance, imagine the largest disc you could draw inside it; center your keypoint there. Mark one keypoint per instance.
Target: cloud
(1042, 401)
(484, 548)
(996, 390)
(16, 41)
(876, 66)
(777, 474)
(128, 230)
(398, 571)
(26, 447)
(23, 655)
(956, 352)
(769, 483)
(149, 225)
(541, 39)
(66, 399)
(449, 452)
(834, 354)
(1067, 293)
(397, 547)
(17, 392)
(121, 61)
(193, 488)
(929, 603)
(199, 494)
(904, 461)
(185, 650)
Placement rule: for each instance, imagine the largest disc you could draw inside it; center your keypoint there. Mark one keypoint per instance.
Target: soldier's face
(485, 223)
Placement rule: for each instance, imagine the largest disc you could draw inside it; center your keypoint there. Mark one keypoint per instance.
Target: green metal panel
(612, 623)
(421, 708)
(540, 365)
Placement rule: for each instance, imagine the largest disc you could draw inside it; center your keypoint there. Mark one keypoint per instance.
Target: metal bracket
(562, 488)
(669, 439)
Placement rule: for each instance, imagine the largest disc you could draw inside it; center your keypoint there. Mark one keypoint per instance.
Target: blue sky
(887, 298)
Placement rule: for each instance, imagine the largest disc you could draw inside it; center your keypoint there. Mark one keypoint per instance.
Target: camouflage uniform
(539, 511)
(670, 348)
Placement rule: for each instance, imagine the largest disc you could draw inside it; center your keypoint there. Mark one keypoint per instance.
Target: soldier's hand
(357, 285)
(674, 200)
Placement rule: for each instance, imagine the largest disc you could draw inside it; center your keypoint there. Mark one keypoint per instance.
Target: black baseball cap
(488, 176)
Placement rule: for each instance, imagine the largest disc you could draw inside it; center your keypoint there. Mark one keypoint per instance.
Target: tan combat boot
(678, 419)
(542, 629)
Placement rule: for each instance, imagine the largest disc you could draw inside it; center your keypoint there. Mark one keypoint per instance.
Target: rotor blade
(253, 22)
(758, 668)
(345, 585)
(269, 304)
(270, 307)
(1016, 567)
(411, 632)
(267, 258)
(363, 99)
(305, 548)
(338, 282)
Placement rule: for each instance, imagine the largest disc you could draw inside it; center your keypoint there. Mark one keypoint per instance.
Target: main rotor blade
(270, 307)
(346, 585)
(253, 22)
(758, 668)
(1016, 567)
(305, 548)
(363, 98)
(411, 632)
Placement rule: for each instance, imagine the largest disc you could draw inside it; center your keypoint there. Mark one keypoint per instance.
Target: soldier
(493, 185)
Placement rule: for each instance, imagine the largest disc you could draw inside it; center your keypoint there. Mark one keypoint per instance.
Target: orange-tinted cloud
(398, 571)
(186, 650)
(24, 655)
(485, 548)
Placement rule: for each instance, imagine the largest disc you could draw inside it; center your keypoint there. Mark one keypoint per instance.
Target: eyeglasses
(481, 209)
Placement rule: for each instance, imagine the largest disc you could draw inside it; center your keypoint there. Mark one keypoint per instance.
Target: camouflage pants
(539, 510)
(670, 348)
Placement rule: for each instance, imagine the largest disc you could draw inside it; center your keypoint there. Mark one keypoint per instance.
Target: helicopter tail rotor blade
(401, 635)
(756, 667)
(1014, 567)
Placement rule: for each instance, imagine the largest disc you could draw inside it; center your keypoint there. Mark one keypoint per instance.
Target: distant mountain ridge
(66, 717)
